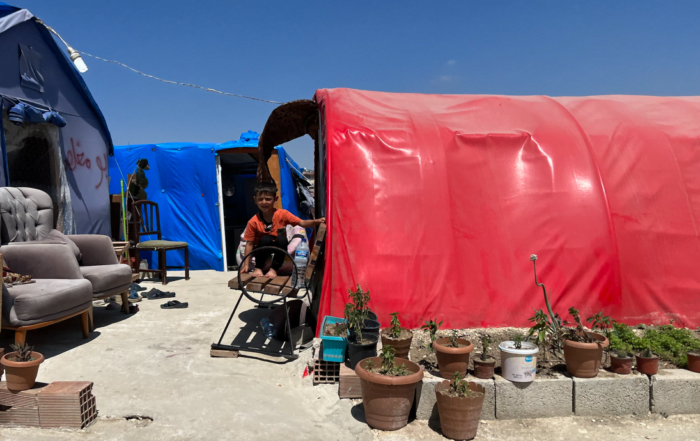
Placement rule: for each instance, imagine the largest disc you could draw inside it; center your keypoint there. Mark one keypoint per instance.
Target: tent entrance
(236, 169)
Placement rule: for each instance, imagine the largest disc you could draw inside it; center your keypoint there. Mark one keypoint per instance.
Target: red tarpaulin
(436, 202)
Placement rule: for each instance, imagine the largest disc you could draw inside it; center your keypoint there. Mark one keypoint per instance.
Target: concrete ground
(154, 379)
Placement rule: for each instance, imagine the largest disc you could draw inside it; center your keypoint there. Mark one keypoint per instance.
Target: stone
(542, 398)
(611, 394)
(426, 408)
(675, 391)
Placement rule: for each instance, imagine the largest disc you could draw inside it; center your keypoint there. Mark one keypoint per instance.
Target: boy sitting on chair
(267, 228)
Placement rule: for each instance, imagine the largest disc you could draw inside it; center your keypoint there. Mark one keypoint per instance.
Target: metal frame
(282, 297)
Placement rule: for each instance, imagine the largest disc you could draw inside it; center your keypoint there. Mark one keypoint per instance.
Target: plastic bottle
(267, 327)
(301, 258)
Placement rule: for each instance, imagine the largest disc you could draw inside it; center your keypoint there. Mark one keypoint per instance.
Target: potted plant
(397, 337)
(647, 362)
(484, 363)
(388, 389)
(518, 360)
(621, 361)
(334, 333)
(361, 301)
(583, 351)
(361, 344)
(452, 354)
(21, 367)
(459, 407)
(694, 361)
(432, 327)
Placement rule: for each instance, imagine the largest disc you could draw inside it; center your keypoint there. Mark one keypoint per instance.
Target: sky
(286, 50)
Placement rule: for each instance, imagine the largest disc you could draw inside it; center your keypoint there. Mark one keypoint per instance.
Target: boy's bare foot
(257, 273)
(271, 274)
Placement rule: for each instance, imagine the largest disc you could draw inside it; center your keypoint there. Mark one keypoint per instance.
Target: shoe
(155, 294)
(137, 287)
(134, 297)
(113, 306)
(133, 309)
(173, 304)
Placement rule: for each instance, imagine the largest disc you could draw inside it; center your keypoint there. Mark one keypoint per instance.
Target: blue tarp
(182, 181)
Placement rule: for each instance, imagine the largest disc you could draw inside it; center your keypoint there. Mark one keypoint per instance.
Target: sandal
(157, 294)
(173, 304)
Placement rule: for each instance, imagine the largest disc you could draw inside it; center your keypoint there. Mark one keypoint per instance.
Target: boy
(267, 228)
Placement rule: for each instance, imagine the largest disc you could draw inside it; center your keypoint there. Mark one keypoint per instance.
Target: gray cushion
(107, 277)
(27, 214)
(43, 298)
(164, 244)
(56, 236)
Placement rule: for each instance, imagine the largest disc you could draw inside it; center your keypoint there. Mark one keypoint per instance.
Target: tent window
(30, 69)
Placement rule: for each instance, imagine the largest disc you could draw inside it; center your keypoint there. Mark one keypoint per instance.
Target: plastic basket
(333, 347)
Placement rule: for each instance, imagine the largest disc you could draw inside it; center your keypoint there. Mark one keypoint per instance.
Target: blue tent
(185, 180)
(53, 135)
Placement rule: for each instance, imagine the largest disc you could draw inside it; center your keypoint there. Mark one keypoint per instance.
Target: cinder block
(611, 394)
(675, 391)
(542, 398)
(426, 400)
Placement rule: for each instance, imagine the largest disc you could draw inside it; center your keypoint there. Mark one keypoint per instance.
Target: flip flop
(173, 304)
(156, 294)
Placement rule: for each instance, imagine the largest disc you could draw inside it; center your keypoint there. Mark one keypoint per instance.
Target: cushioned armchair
(27, 223)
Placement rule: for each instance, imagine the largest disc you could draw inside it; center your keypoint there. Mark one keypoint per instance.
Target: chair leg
(20, 336)
(163, 265)
(125, 301)
(91, 320)
(85, 322)
(187, 263)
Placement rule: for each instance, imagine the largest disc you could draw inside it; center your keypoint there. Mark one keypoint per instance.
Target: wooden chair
(146, 219)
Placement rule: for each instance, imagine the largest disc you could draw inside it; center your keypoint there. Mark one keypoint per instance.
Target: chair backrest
(316, 252)
(146, 219)
(27, 214)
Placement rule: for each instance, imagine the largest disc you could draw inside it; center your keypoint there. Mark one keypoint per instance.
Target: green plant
(518, 341)
(578, 333)
(454, 339)
(624, 353)
(459, 385)
(395, 328)
(357, 311)
(23, 350)
(485, 344)
(432, 326)
(668, 342)
(647, 353)
(554, 319)
(369, 365)
(601, 323)
(389, 367)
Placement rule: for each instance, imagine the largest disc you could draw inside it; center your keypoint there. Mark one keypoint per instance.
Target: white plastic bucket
(518, 365)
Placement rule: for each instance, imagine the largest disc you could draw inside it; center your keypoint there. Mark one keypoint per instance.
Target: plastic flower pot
(451, 360)
(694, 361)
(369, 327)
(360, 351)
(459, 416)
(649, 366)
(401, 346)
(372, 316)
(388, 400)
(622, 366)
(518, 365)
(333, 347)
(583, 359)
(484, 368)
(21, 375)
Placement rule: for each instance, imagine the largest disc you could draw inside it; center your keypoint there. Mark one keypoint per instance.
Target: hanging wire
(177, 82)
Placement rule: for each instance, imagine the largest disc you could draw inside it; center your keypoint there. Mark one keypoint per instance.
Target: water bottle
(267, 328)
(301, 258)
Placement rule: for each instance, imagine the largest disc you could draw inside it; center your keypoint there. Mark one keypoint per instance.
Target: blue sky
(285, 50)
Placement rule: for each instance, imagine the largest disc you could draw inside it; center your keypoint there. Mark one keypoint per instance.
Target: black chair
(146, 220)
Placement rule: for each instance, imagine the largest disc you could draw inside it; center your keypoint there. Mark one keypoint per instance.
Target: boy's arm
(245, 264)
(312, 223)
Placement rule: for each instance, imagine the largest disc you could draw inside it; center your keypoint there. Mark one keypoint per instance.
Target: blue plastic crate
(333, 347)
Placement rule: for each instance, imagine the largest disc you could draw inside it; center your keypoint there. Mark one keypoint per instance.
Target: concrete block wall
(675, 391)
(542, 398)
(611, 394)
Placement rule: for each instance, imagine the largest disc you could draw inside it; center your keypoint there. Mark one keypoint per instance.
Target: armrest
(96, 249)
(42, 261)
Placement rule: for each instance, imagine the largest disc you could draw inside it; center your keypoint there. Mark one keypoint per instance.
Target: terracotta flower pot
(451, 360)
(694, 361)
(21, 375)
(583, 359)
(649, 366)
(2, 368)
(459, 416)
(484, 369)
(622, 366)
(388, 400)
(402, 347)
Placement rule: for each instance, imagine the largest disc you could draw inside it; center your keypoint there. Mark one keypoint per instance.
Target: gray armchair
(27, 227)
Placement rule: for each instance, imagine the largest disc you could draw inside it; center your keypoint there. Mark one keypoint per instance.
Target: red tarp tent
(436, 202)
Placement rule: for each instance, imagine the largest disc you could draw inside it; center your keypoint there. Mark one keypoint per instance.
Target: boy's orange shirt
(280, 219)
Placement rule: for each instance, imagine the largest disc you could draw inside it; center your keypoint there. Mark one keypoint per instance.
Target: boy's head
(265, 195)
